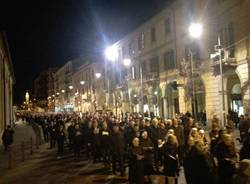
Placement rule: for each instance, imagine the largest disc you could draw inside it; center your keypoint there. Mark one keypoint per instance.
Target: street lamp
(127, 62)
(82, 82)
(98, 75)
(111, 53)
(63, 91)
(71, 87)
(195, 32)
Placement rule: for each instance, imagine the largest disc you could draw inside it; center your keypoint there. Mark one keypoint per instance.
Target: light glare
(111, 53)
(195, 30)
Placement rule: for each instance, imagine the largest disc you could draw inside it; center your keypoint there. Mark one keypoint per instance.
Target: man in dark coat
(155, 137)
(147, 146)
(179, 133)
(105, 144)
(60, 136)
(136, 166)
(7, 137)
(117, 147)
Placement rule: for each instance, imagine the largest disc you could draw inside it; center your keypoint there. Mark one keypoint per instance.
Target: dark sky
(48, 33)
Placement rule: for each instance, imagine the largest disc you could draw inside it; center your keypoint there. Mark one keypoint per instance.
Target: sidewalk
(23, 133)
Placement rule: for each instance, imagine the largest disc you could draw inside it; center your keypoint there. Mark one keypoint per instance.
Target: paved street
(45, 168)
(23, 133)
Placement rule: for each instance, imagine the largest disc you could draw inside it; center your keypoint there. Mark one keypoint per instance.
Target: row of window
(141, 39)
(168, 60)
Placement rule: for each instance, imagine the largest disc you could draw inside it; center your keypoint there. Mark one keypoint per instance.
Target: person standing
(171, 160)
(7, 137)
(226, 156)
(60, 140)
(105, 144)
(117, 148)
(77, 141)
(136, 173)
(147, 146)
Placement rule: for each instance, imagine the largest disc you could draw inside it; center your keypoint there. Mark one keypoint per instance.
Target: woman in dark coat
(226, 156)
(147, 146)
(136, 172)
(171, 161)
(198, 165)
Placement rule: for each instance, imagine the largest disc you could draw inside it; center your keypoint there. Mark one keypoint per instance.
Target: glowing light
(195, 30)
(71, 87)
(63, 91)
(111, 53)
(98, 75)
(127, 62)
(82, 82)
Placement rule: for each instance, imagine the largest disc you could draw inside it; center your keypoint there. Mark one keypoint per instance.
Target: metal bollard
(9, 157)
(31, 146)
(22, 150)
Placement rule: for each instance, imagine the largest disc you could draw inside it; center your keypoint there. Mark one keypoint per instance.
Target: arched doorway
(171, 102)
(235, 103)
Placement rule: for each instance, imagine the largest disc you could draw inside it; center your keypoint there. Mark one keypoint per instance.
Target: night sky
(48, 33)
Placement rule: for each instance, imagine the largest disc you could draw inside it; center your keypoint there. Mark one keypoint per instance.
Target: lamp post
(218, 49)
(111, 54)
(195, 32)
(127, 63)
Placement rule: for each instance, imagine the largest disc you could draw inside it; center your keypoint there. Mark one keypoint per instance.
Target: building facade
(44, 87)
(171, 72)
(89, 81)
(63, 96)
(7, 80)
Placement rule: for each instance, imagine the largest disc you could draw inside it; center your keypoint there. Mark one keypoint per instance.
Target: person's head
(201, 132)
(77, 127)
(145, 135)
(199, 145)
(170, 131)
(135, 142)
(175, 122)
(155, 122)
(227, 139)
(244, 167)
(194, 132)
(116, 129)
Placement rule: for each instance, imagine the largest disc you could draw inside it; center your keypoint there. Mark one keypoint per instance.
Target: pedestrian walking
(7, 137)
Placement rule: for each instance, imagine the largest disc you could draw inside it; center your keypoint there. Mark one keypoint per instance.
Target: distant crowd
(152, 146)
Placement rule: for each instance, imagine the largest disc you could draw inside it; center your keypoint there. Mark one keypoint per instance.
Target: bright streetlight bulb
(70, 87)
(58, 93)
(155, 92)
(82, 82)
(98, 75)
(195, 30)
(127, 62)
(63, 91)
(111, 53)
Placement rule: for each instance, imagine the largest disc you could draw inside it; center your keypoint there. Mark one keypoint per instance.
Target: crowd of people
(151, 145)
